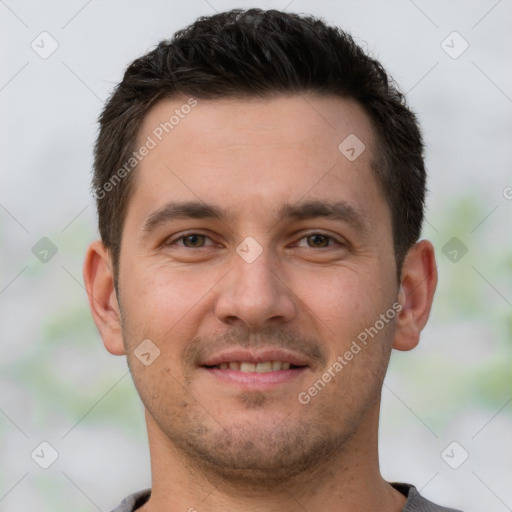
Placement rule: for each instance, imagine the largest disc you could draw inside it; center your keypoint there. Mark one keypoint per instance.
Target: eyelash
(173, 240)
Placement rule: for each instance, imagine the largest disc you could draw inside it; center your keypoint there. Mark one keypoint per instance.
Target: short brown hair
(256, 53)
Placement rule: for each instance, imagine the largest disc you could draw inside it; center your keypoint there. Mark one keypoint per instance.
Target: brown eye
(193, 241)
(318, 240)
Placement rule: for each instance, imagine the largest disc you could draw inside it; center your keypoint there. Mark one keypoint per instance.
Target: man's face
(270, 281)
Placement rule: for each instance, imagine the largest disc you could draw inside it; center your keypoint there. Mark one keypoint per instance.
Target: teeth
(247, 367)
(276, 365)
(266, 366)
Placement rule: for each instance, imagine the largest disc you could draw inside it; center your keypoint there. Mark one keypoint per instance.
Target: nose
(255, 294)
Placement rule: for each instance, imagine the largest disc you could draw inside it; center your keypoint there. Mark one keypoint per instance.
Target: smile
(248, 367)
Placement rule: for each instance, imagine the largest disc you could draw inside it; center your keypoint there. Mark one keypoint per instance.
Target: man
(260, 188)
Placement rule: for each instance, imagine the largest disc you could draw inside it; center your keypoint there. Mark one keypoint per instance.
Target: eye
(318, 241)
(190, 241)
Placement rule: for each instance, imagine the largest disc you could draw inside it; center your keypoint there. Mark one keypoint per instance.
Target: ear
(417, 287)
(99, 283)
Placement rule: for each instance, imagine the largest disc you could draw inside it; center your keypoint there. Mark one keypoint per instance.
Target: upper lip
(256, 356)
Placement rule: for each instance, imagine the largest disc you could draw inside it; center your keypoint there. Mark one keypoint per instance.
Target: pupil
(316, 238)
(193, 239)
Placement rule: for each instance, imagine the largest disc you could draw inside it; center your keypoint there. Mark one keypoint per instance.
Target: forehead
(254, 152)
(320, 121)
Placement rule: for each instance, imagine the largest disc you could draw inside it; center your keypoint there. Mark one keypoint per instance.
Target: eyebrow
(181, 210)
(340, 210)
(305, 210)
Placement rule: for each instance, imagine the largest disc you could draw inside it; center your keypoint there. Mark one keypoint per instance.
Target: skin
(217, 444)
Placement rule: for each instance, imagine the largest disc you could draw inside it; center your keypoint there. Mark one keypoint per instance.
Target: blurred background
(447, 406)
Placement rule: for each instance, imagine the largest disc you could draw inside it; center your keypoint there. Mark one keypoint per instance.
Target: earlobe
(99, 283)
(417, 287)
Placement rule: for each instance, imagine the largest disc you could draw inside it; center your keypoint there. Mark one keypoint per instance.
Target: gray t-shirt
(415, 502)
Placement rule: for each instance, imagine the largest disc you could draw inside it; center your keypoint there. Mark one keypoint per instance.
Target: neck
(348, 480)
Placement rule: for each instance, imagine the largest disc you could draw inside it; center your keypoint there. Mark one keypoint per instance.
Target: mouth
(249, 367)
(257, 371)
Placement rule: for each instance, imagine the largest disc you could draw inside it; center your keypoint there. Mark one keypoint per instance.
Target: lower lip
(256, 381)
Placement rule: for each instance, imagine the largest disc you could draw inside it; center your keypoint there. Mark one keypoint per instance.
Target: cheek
(159, 303)
(343, 302)
(346, 307)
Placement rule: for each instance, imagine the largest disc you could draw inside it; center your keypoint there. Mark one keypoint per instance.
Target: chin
(261, 454)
